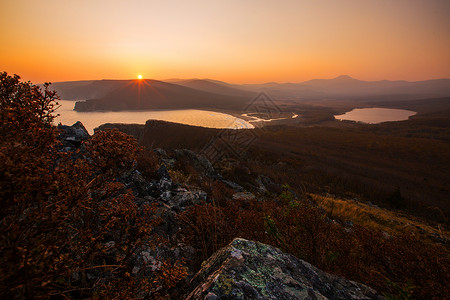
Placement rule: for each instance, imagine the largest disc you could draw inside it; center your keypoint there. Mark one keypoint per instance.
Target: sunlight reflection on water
(376, 115)
(194, 117)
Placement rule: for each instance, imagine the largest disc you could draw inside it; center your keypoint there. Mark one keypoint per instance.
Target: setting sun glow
(368, 40)
(139, 77)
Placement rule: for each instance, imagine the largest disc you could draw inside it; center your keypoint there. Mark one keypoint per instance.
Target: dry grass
(375, 217)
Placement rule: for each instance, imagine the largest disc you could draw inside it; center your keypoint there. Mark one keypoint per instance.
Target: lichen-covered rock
(252, 270)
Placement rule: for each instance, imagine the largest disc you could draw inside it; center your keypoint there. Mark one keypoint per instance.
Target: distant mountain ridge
(208, 93)
(347, 87)
(154, 94)
(214, 86)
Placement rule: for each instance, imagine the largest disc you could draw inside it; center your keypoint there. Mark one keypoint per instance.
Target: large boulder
(251, 270)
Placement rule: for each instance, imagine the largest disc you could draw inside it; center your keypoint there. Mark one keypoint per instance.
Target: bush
(147, 163)
(27, 143)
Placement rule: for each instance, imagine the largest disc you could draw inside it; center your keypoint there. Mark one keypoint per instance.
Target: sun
(139, 76)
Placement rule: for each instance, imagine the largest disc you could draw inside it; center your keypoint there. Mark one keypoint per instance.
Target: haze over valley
(206, 93)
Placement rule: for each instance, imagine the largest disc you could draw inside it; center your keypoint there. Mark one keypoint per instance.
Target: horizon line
(167, 80)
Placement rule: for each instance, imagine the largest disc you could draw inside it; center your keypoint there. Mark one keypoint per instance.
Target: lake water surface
(193, 117)
(376, 115)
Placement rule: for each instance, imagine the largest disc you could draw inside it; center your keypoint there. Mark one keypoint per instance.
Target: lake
(376, 115)
(193, 117)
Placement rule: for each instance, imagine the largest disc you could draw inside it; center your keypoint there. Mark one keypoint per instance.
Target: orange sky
(233, 40)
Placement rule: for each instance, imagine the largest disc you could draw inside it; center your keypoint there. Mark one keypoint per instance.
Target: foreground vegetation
(60, 209)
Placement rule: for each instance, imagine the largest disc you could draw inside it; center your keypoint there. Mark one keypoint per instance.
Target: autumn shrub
(361, 254)
(69, 228)
(185, 167)
(210, 226)
(237, 172)
(27, 141)
(218, 191)
(147, 163)
(204, 226)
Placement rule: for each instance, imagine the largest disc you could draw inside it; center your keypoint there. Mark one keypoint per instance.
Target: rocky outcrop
(72, 136)
(199, 162)
(251, 270)
(135, 130)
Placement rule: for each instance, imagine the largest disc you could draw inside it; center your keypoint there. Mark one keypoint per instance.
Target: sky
(238, 41)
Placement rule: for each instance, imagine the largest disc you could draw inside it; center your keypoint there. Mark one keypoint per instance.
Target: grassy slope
(372, 216)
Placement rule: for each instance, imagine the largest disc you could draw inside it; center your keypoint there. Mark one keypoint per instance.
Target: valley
(299, 141)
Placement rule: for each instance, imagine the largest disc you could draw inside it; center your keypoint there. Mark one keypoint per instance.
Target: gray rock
(163, 173)
(166, 196)
(137, 183)
(188, 198)
(76, 132)
(243, 196)
(200, 163)
(251, 270)
(72, 136)
(160, 152)
(260, 185)
(236, 187)
(164, 184)
(265, 184)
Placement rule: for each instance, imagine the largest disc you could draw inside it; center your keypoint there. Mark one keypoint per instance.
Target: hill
(213, 94)
(154, 94)
(343, 87)
(88, 89)
(217, 87)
